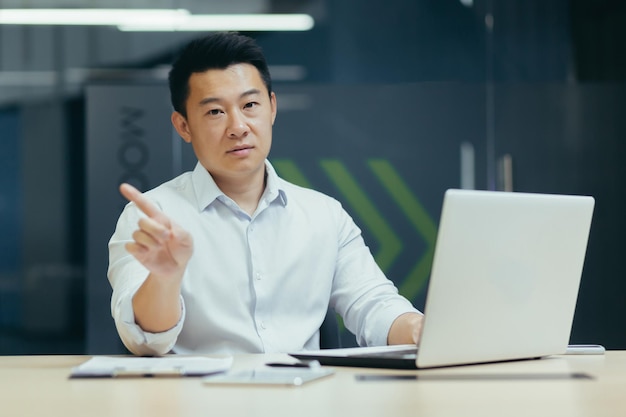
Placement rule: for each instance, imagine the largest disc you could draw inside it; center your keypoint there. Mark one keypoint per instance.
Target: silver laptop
(503, 285)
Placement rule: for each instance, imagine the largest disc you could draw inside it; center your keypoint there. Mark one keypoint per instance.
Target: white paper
(110, 366)
(359, 350)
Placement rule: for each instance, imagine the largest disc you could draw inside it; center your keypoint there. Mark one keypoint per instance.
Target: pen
(302, 364)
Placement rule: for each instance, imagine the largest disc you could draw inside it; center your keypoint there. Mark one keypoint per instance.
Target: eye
(250, 105)
(214, 112)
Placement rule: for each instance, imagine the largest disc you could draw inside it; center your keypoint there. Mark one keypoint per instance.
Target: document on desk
(175, 366)
(269, 376)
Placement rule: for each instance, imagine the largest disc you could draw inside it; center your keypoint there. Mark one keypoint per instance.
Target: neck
(245, 192)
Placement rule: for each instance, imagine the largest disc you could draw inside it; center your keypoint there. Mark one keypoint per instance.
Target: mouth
(238, 150)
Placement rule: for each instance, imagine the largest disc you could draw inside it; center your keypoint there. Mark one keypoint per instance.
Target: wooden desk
(39, 386)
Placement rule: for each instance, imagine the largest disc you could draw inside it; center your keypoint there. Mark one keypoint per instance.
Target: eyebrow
(246, 93)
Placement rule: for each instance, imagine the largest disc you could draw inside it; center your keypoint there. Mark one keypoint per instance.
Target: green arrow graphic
(289, 171)
(390, 245)
(418, 217)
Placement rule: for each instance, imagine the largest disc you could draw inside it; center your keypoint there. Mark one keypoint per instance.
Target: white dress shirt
(260, 283)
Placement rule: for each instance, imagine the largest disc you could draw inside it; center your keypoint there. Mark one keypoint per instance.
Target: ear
(274, 106)
(182, 127)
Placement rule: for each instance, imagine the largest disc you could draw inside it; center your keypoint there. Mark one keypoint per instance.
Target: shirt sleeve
(126, 275)
(365, 298)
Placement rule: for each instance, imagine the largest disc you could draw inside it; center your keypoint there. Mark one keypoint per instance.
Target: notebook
(503, 285)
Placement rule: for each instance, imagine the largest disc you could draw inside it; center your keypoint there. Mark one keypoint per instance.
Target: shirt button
(262, 325)
(258, 276)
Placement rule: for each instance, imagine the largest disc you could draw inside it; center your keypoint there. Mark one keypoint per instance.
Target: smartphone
(585, 350)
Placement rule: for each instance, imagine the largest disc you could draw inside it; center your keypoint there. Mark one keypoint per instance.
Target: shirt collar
(274, 188)
(207, 191)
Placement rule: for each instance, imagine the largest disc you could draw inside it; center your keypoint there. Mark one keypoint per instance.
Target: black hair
(217, 50)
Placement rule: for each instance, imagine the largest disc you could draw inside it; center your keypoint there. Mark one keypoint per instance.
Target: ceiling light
(224, 22)
(157, 20)
(104, 17)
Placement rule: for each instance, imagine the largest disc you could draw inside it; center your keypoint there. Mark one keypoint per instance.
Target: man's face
(229, 122)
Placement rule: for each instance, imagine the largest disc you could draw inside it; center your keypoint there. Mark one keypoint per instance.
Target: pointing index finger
(134, 195)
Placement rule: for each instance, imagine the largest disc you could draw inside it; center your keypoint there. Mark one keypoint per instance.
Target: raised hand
(162, 246)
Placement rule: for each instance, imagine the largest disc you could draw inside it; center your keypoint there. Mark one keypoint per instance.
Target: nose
(237, 126)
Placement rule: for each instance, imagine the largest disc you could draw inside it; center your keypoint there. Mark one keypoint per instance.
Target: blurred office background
(383, 105)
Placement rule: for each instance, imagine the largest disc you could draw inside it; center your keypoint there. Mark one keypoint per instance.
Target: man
(231, 258)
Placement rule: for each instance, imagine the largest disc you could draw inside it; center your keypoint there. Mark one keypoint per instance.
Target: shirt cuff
(141, 342)
(387, 312)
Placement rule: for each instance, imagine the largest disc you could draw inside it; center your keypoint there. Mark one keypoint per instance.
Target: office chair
(329, 332)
